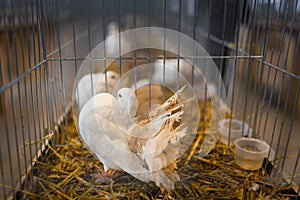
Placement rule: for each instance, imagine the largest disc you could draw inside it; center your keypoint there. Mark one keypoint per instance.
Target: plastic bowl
(236, 130)
(250, 152)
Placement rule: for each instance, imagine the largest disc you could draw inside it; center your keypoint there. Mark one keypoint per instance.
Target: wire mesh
(255, 44)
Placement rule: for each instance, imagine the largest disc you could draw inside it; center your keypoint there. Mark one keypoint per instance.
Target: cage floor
(67, 173)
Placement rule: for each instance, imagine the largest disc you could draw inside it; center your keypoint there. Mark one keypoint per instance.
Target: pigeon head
(111, 75)
(113, 28)
(112, 78)
(127, 98)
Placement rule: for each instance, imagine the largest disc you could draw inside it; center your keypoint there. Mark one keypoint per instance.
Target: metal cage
(255, 44)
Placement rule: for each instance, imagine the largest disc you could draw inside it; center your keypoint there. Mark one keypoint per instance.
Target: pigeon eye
(113, 77)
(120, 95)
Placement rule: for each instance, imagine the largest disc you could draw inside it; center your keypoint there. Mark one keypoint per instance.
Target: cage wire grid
(255, 45)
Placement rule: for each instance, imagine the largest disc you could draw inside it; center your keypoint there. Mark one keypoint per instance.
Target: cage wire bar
(255, 44)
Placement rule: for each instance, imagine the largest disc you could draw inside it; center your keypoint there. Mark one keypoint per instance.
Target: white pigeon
(91, 84)
(97, 113)
(114, 40)
(147, 150)
(171, 77)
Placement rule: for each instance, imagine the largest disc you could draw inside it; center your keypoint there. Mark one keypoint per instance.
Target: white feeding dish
(230, 132)
(250, 152)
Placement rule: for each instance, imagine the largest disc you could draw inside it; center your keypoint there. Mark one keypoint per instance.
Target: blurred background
(254, 43)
